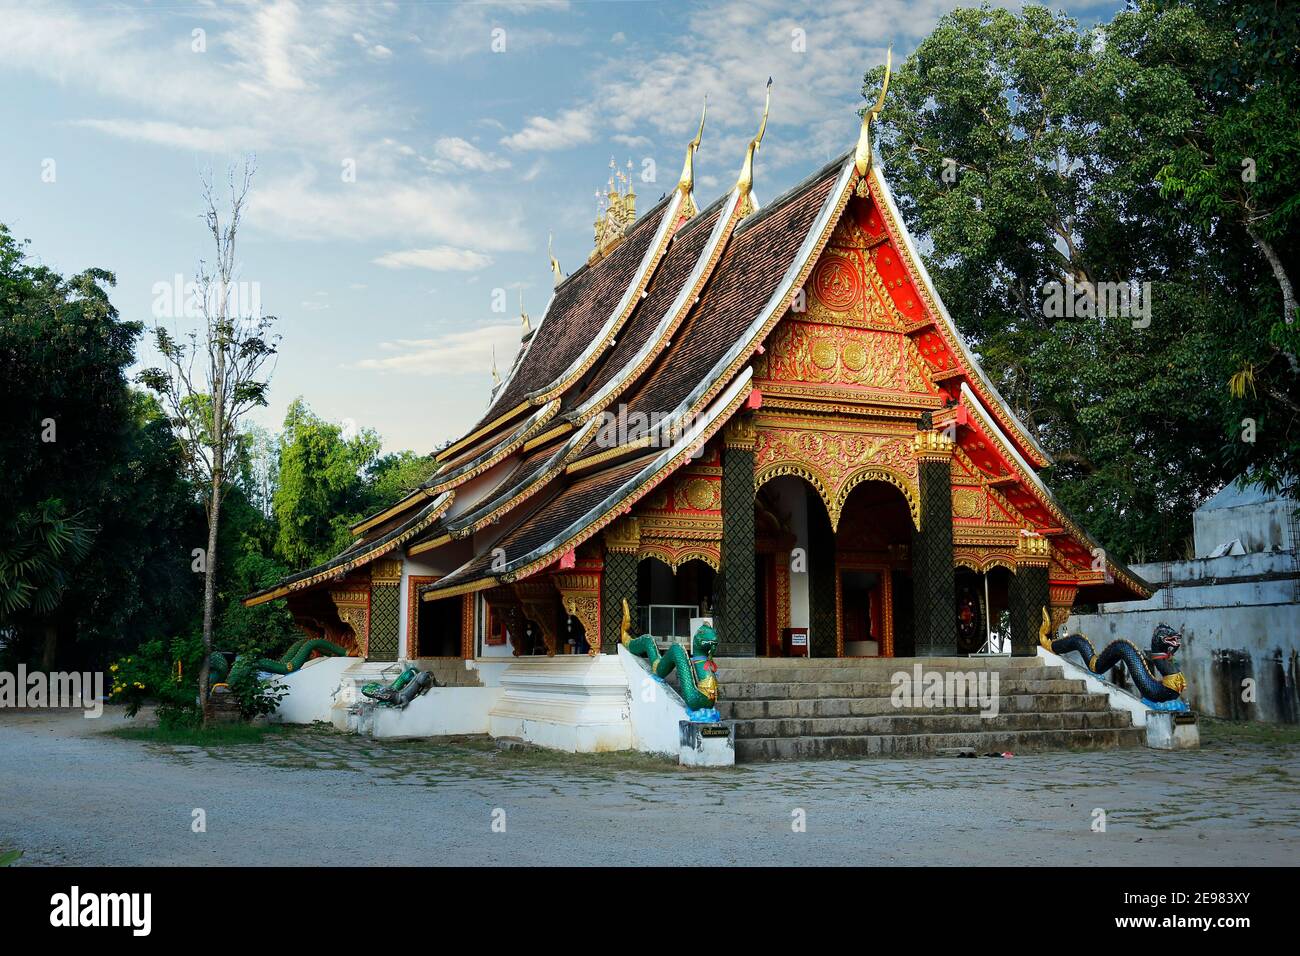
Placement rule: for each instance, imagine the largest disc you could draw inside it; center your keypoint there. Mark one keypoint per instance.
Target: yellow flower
(113, 668)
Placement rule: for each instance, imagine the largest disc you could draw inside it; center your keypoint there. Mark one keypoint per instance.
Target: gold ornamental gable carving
(386, 571)
(623, 535)
(834, 355)
(835, 462)
(1033, 550)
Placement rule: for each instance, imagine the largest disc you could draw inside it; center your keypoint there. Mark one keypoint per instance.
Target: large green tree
(321, 486)
(91, 502)
(1028, 154)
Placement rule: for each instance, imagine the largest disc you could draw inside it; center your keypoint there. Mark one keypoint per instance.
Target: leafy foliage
(321, 489)
(1025, 152)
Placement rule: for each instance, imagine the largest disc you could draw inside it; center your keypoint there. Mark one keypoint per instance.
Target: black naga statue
(1154, 673)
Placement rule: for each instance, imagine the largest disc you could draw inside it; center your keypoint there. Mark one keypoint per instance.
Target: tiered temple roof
(668, 323)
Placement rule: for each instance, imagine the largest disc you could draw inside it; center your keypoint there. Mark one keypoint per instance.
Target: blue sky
(466, 158)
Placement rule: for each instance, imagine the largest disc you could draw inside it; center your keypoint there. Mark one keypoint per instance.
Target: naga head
(1165, 640)
(704, 642)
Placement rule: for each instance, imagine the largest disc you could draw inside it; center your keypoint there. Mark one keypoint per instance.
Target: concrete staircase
(795, 708)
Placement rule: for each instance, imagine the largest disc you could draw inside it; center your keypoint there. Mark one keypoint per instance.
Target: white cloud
(571, 128)
(179, 136)
(437, 259)
(384, 208)
(469, 351)
(466, 155)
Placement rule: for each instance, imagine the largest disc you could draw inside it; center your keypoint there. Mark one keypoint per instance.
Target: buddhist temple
(760, 414)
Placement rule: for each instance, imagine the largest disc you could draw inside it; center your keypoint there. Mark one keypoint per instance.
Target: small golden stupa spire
(496, 376)
(523, 316)
(745, 182)
(862, 155)
(555, 263)
(686, 184)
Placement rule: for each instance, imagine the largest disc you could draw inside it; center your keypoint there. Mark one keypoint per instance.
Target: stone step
(790, 690)
(873, 706)
(893, 663)
(1017, 742)
(930, 723)
(849, 672)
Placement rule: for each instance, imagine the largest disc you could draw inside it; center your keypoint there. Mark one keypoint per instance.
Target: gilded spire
(746, 180)
(523, 316)
(687, 181)
(555, 263)
(496, 376)
(862, 155)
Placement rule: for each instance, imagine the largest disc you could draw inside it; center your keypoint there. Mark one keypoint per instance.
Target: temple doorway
(981, 611)
(872, 557)
(439, 627)
(669, 600)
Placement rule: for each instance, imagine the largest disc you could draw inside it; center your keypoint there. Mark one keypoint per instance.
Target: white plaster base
(438, 712)
(312, 690)
(655, 708)
(701, 748)
(575, 703)
(1165, 732)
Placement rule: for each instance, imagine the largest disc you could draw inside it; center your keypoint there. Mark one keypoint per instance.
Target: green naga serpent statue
(695, 674)
(292, 659)
(1154, 673)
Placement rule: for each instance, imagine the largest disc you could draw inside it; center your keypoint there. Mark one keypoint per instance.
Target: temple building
(756, 413)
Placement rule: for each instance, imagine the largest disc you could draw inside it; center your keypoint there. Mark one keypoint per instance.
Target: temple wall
(1240, 622)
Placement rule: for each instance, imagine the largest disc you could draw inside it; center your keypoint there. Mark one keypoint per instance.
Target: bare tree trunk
(209, 594)
(49, 654)
(1289, 304)
(214, 523)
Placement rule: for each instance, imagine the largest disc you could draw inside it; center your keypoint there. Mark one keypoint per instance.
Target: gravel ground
(71, 794)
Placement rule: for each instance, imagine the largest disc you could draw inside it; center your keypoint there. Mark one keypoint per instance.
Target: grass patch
(1216, 730)
(219, 735)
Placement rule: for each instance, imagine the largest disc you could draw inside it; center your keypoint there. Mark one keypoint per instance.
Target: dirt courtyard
(74, 792)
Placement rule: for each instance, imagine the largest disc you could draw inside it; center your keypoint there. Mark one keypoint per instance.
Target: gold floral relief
(967, 502)
(834, 462)
(831, 354)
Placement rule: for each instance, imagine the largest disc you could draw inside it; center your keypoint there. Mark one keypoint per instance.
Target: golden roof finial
(555, 263)
(687, 181)
(746, 180)
(862, 155)
(523, 316)
(496, 376)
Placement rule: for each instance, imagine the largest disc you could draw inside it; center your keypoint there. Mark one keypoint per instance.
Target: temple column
(934, 594)
(1029, 594)
(618, 583)
(823, 612)
(383, 641)
(735, 603)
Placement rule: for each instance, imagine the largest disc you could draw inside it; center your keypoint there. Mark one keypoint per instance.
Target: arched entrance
(668, 599)
(873, 570)
(982, 610)
(832, 592)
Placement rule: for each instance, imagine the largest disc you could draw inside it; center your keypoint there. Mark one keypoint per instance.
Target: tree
(210, 382)
(1226, 157)
(321, 489)
(64, 352)
(1023, 151)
